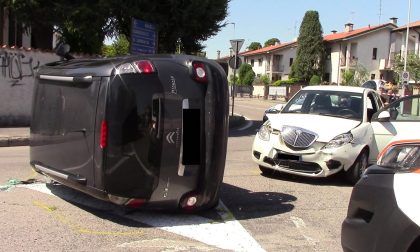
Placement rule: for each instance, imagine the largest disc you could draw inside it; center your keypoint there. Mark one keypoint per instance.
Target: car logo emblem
(297, 132)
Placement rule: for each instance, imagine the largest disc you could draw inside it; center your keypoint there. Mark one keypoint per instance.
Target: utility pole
(234, 63)
(406, 37)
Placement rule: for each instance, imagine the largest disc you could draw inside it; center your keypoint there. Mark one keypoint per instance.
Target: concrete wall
(17, 71)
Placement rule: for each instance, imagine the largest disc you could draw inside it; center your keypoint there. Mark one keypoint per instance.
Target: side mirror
(384, 116)
(63, 50)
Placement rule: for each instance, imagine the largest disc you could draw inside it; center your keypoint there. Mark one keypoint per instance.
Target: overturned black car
(144, 131)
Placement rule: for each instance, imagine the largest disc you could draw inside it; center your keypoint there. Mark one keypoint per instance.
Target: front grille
(297, 137)
(298, 166)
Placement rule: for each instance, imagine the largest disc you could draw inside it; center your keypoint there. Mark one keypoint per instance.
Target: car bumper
(374, 221)
(311, 162)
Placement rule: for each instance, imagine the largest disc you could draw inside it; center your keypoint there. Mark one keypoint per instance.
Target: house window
(259, 62)
(374, 53)
(290, 61)
(252, 62)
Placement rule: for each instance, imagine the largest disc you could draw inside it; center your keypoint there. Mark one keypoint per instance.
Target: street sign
(405, 77)
(236, 44)
(143, 37)
(232, 62)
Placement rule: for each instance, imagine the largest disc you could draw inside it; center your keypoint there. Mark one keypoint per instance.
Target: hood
(326, 127)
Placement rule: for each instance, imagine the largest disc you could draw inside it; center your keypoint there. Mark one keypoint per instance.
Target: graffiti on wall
(18, 68)
(14, 66)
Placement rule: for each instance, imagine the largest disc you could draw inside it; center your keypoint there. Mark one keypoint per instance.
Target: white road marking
(226, 234)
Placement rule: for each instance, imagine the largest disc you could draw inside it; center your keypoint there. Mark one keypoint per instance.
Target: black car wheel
(358, 168)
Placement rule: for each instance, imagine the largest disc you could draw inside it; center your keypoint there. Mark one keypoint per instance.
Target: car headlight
(264, 132)
(404, 157)
(339, 141)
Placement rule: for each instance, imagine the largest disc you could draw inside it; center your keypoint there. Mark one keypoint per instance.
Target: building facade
(372, 48)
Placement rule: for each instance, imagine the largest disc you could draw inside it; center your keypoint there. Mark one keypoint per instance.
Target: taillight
(135, 203)
(140, 66)
(144, 66)
(128, 202)
(103, 135)
(189, 201)
(199, 72)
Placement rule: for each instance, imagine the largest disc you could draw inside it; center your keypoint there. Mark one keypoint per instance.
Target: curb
(14, 141)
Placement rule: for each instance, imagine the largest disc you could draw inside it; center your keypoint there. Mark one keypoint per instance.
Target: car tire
(358, 168)
(266, 171)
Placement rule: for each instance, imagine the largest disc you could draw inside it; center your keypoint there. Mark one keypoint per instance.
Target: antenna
(351, 16)
(380, 11)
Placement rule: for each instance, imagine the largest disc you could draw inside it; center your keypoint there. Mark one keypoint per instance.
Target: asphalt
(19, 136)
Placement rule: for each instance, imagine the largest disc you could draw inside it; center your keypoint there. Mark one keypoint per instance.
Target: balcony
(276, 69)
(352, 62)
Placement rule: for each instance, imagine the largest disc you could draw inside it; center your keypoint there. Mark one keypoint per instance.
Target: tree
(265, 79)
(315, 80)
(348, 77)
(246, 75)
(311, 50)
(119, 47)
(254, 46)
(189, 21)
(271, 42)
(413, 66)
(84, 24)
(355, 76)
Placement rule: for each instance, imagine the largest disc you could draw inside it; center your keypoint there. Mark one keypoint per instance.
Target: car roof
(337, 88)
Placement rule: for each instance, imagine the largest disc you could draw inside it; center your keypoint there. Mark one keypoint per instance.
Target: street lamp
(406, 37)
(234, 27)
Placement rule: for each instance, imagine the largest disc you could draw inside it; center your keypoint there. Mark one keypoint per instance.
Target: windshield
(329, 103)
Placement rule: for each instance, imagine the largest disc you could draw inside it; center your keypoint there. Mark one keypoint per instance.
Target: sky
(260, 20)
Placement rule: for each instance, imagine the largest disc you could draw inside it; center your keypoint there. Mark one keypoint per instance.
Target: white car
(335, 128)
(384, 208)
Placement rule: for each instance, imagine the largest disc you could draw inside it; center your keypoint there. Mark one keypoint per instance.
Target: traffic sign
(232, 62)
(236, 44)
(143, 37)
(405, 76)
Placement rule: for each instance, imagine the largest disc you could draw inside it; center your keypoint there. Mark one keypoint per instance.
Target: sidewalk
(14, 137)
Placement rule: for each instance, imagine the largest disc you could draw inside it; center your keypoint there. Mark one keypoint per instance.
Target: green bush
(315, 80)
(285, 82)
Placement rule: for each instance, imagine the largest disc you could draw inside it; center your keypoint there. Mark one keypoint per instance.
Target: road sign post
(143, 37)
(236, 46)
(405, 78)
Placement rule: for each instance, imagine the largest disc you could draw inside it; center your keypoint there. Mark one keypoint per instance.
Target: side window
(406, 110)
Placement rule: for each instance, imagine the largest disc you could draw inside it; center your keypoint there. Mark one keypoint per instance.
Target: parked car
(336, 128)
(140, 131)
(374, 84)
(384, 209)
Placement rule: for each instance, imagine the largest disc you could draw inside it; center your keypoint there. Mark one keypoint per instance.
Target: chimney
(348, 27)
(393, 20)
(333, 31)
(218, 54)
